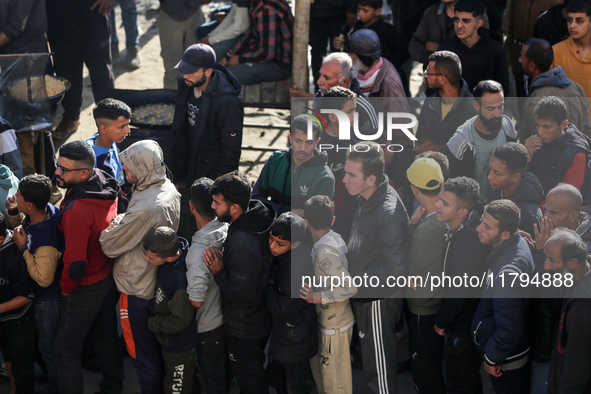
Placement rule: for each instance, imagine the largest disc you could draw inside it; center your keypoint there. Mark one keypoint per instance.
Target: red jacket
(87, 209)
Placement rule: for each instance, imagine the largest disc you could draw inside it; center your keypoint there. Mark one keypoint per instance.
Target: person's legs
(515, 381)
(211, 356)
(253, 73)
(129, 17)
(141, 343)
(247, 357)
(376, 323)
(426, 348)
(97, 56)
(297, 378)
(539, 377)
(179, 371)
(21, 351)
(172, 48)
(47, 320)
(331, 367)
(462, 366)
(78, 312)
(106, 341)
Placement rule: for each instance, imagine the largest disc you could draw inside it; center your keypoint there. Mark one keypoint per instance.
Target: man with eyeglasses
(89, 294)
(449, 107)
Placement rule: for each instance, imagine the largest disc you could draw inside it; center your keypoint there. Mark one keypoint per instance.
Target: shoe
(133, 60)
(65, 129)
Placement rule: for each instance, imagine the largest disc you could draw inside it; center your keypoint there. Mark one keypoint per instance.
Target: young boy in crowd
(112, 120)
(17, 323)
(331, 367)
(41, 243)
(173, 323)
(508, 179)
(394, 45)
(294, 339)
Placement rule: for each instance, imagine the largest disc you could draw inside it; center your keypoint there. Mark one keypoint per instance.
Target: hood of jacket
(100, 186)
(553, 77)
(256, 220)
(529, 190)
(584, 228)
(146, 161)
(223, 86)
(332, 240)
(571, 136)
(7, 178)
(179, 263)
(462, 140)
(210, 234)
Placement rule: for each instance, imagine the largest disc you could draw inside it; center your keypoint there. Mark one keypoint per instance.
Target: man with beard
(469, 150)
(500, 325)
(570, 366)
(89, 294)
(207, 124)
(291, 176)
(559, 152)
(242, 272)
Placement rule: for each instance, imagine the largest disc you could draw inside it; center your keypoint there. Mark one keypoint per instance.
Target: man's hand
(103, 7)
(529, 240)
(432, 46)
(19, 236)
(418, 215)
(11, 203)
(494, 370)
(308, 295)
(439, 331)
(233, 61)
(545, 230)
(213, 260)
(205, 41)
(533, 144)
(295, 91)
(337, 42)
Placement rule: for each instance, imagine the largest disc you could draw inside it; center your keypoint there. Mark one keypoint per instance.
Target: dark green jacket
(288, 185)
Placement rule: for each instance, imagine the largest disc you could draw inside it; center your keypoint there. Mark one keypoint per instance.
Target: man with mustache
(469, 150)
(207, 124)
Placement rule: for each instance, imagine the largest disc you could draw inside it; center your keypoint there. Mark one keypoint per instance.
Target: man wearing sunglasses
(89, 294)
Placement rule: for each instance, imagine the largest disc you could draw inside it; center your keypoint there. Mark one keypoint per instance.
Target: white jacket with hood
(154, 202)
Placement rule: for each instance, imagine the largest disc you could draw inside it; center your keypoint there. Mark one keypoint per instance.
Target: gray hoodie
(201, 284)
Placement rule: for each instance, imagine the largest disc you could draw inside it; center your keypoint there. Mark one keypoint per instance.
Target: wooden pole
(301, 31)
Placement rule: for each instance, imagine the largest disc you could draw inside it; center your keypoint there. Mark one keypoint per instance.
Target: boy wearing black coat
(173, 323)
(294, 337)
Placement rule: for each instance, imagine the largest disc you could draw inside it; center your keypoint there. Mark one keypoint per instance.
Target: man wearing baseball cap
(207, 124)
(426, 250)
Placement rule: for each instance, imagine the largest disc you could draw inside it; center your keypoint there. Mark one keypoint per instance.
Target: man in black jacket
(376, 248)
(207, 124)
(570, 365)
(242, 272)
(465, 255)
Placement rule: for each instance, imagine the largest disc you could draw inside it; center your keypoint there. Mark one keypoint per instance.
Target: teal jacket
(288, 185)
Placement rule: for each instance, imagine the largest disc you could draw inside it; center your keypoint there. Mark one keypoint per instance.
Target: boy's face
(489, 232)
(466, 24)
(579, 25)
(499, 176)
(154, 259)
(278, 245)
(447, 207)
(21, 203)
(115, 130)
(549, 130)
(302, 148)
(368, 14)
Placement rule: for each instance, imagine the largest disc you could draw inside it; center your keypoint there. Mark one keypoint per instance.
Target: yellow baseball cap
(425, 173)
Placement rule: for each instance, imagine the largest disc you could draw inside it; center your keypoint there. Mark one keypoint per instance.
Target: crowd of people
(215, 278)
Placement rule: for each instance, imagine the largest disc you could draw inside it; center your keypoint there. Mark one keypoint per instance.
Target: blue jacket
(500, 326)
